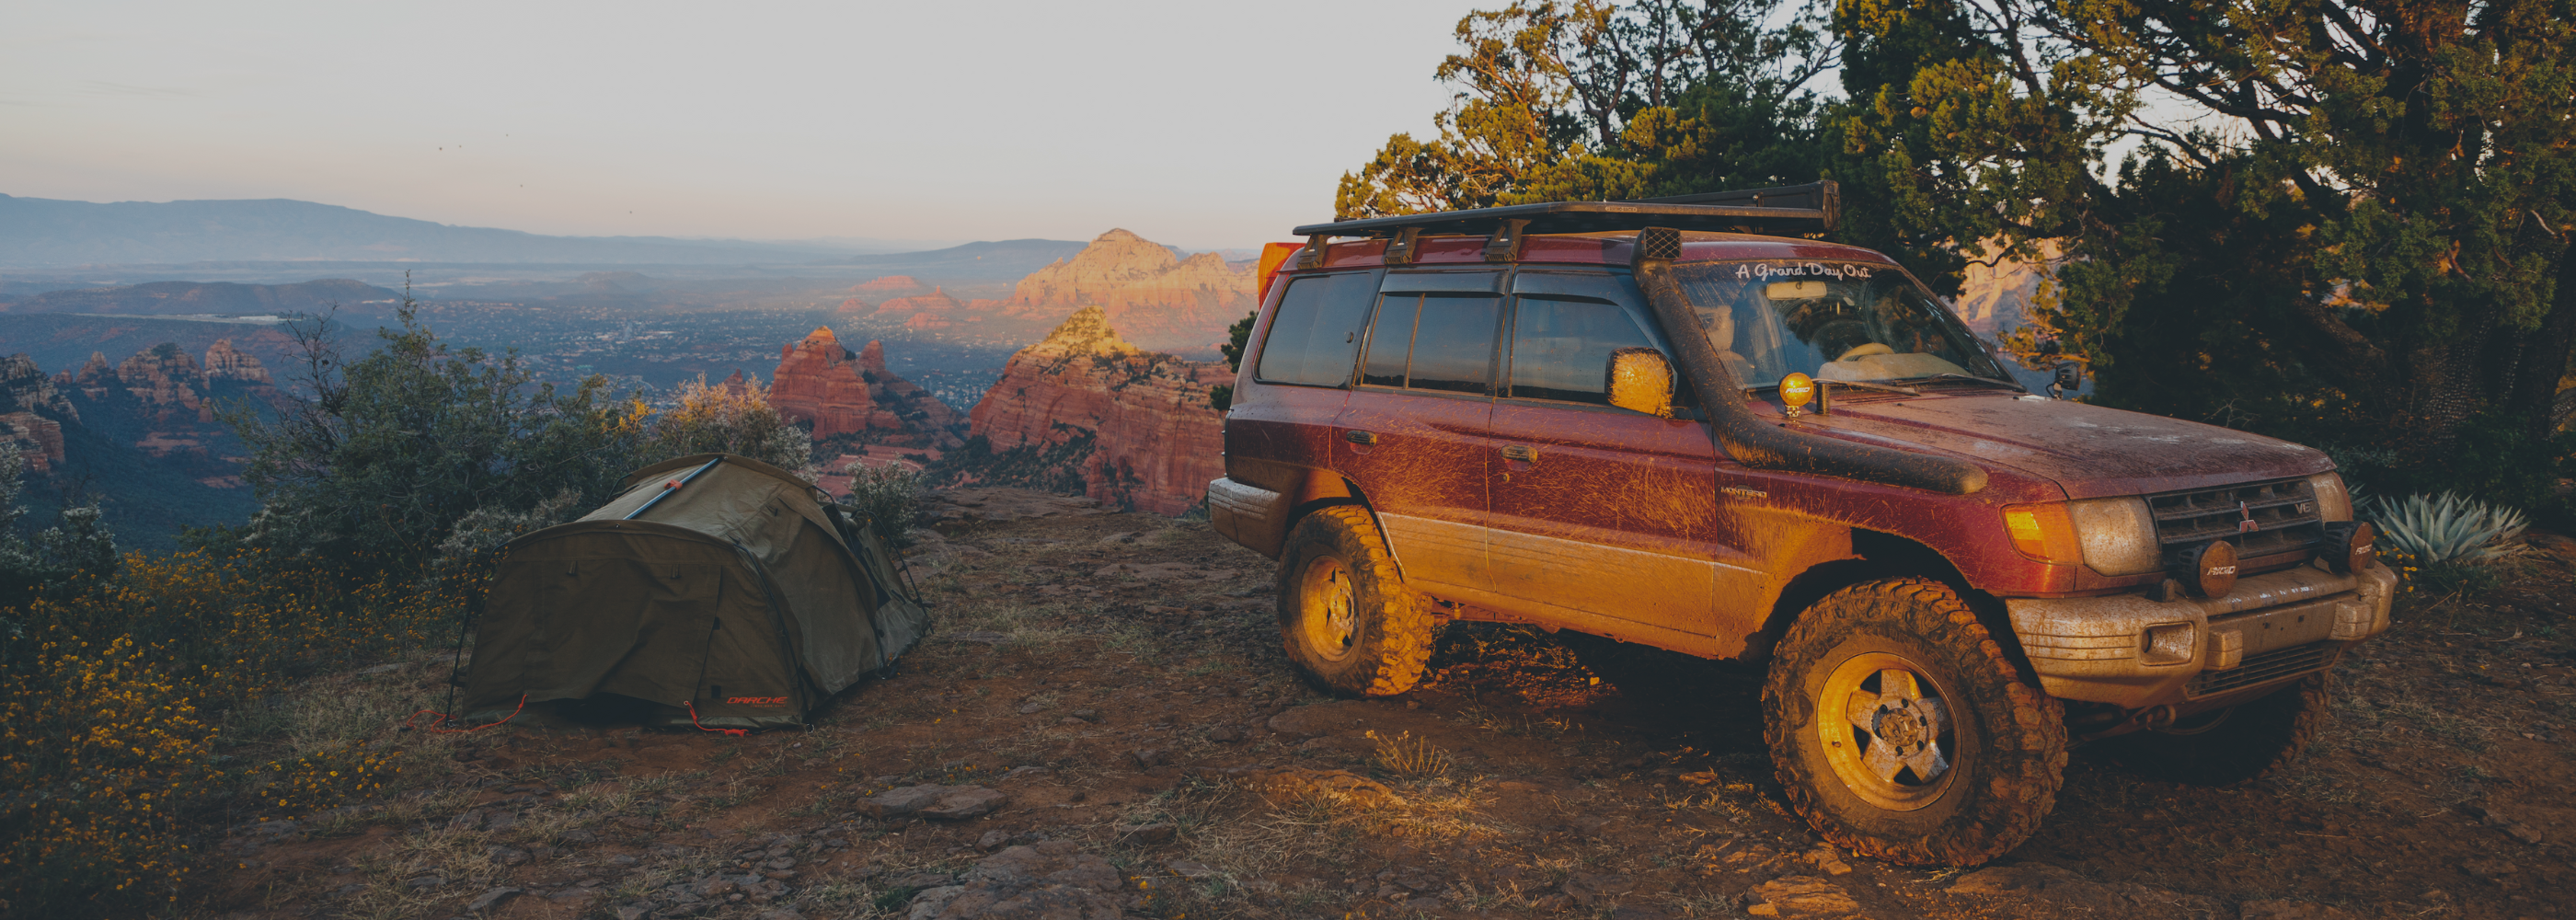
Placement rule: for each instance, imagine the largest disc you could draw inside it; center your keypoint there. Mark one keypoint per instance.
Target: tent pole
(670, 487)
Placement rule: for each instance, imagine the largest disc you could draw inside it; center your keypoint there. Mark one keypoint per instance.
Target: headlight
(2334, 503)
(2113, 536)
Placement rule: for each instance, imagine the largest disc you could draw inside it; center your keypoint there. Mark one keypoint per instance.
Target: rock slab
(1050, 880)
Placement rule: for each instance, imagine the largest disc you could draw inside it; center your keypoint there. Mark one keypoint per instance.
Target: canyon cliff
(1085, 410)
(24, 393)
(164, 401)
(1156, 298)
(850, 398)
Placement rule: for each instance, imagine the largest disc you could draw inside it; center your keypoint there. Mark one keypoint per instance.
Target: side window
(1391, 340)
(1564, 327)
(1316, 334)
(1434, 341)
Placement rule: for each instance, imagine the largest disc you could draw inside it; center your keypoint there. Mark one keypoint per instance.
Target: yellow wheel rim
(1327, 609)
(1886, 727)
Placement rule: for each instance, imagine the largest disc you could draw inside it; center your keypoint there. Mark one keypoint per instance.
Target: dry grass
(1410, 757)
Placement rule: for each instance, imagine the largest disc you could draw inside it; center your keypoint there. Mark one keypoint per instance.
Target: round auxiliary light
(2208, 570)
(2348, 547)
(1796, 390)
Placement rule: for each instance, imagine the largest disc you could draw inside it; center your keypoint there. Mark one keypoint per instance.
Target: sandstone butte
(1156, 441)
(889, 286)
(166, 385)
(23, 390)
(839, 393)
(935, 310)
(1160, 300)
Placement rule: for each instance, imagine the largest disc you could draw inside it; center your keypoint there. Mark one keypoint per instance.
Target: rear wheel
(1344, 613)
(2234, 745)
(1901, 731)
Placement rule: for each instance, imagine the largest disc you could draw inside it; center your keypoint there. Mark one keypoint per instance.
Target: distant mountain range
(184, 298)
(991, 261)
(45, 233)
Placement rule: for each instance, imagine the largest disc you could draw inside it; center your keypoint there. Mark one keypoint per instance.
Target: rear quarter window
(1315, 338)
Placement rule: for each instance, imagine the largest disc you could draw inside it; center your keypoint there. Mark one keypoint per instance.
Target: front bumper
(2133, 651)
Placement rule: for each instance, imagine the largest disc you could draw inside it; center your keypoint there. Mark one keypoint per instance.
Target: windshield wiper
(1822, 383)
(1997, 382)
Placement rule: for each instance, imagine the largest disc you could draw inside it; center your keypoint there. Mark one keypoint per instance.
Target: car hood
(2090, 451)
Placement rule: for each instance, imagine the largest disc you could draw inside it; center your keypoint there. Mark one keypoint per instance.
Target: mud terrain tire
(1886, 651)
(2254, 739)
(1344, 613)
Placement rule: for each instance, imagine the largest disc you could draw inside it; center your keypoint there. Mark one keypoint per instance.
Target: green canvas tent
(717, 590)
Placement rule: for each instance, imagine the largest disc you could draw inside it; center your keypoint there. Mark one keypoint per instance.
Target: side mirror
(1641, 380)
(2068, 377)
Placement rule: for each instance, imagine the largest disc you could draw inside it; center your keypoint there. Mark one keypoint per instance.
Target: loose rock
(1796, 896)
(1051, 880)
(483, 903)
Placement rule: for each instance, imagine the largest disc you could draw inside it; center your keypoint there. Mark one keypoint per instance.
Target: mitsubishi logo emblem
(2247, 525)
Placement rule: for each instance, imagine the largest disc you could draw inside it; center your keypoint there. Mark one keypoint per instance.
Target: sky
(1203, 125)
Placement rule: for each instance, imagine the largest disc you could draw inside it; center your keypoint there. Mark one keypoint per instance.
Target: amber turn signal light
(1796, 390)
(2043, 532)
(2208, 570)
(2348, 547)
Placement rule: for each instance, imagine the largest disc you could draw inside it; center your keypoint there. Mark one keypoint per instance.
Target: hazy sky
(1197, 124)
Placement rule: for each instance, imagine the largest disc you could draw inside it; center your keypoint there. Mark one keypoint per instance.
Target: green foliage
(78, 549)
(2346, 223)
(2448, 529)
(1589, 99)
(1237, 337)
(887, 498)
(2356, 227)
(162, 656)
(1047, 467)
(397, 447)
(713, 419)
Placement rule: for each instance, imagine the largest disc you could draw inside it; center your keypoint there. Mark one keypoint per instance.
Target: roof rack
(1816, 206)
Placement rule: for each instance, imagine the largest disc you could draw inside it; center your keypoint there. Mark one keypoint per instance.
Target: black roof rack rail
(1816, 206)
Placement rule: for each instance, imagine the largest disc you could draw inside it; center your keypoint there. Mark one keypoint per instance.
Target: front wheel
(1901, 731)
(1344, 612)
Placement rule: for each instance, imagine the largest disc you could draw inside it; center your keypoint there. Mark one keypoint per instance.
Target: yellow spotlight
(1795, 391)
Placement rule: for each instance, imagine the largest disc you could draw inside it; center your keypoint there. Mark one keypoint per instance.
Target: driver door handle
(1520, 452)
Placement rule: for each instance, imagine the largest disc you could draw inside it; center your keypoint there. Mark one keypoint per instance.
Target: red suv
(1643, 422)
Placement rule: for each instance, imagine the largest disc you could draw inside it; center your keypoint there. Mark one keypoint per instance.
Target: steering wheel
(1865, 350)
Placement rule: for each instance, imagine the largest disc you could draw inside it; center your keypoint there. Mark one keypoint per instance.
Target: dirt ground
(1116, 678)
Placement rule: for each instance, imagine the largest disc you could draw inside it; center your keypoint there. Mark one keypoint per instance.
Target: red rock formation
(738, 387)
(223, 362)
(168, 380)
(1158, 299)
(23, 390)
(842, 394)
(937, 302)
(889, 286)
(1155, 440)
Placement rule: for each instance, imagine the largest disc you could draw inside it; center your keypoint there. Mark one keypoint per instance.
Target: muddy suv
(1645, 422)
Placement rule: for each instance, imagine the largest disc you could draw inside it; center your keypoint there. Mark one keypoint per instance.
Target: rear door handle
(1357, 436)
(1520, 452)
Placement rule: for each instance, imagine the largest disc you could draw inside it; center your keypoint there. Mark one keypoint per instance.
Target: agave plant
(2448, 528)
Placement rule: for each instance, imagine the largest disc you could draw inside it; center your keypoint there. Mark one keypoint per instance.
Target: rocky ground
(1102, 726)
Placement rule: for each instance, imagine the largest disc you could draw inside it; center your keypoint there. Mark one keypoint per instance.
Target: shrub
(157, 655)
(887, 497)
(716, 419)
(2448, 529)
(396, 447)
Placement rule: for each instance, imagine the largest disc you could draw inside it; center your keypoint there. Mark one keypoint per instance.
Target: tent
(716, 591)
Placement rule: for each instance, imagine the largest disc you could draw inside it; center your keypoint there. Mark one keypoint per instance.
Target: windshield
(1829, 320)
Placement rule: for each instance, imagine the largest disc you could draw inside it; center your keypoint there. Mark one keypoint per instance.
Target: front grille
(2268, 666)
(2284, 514)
